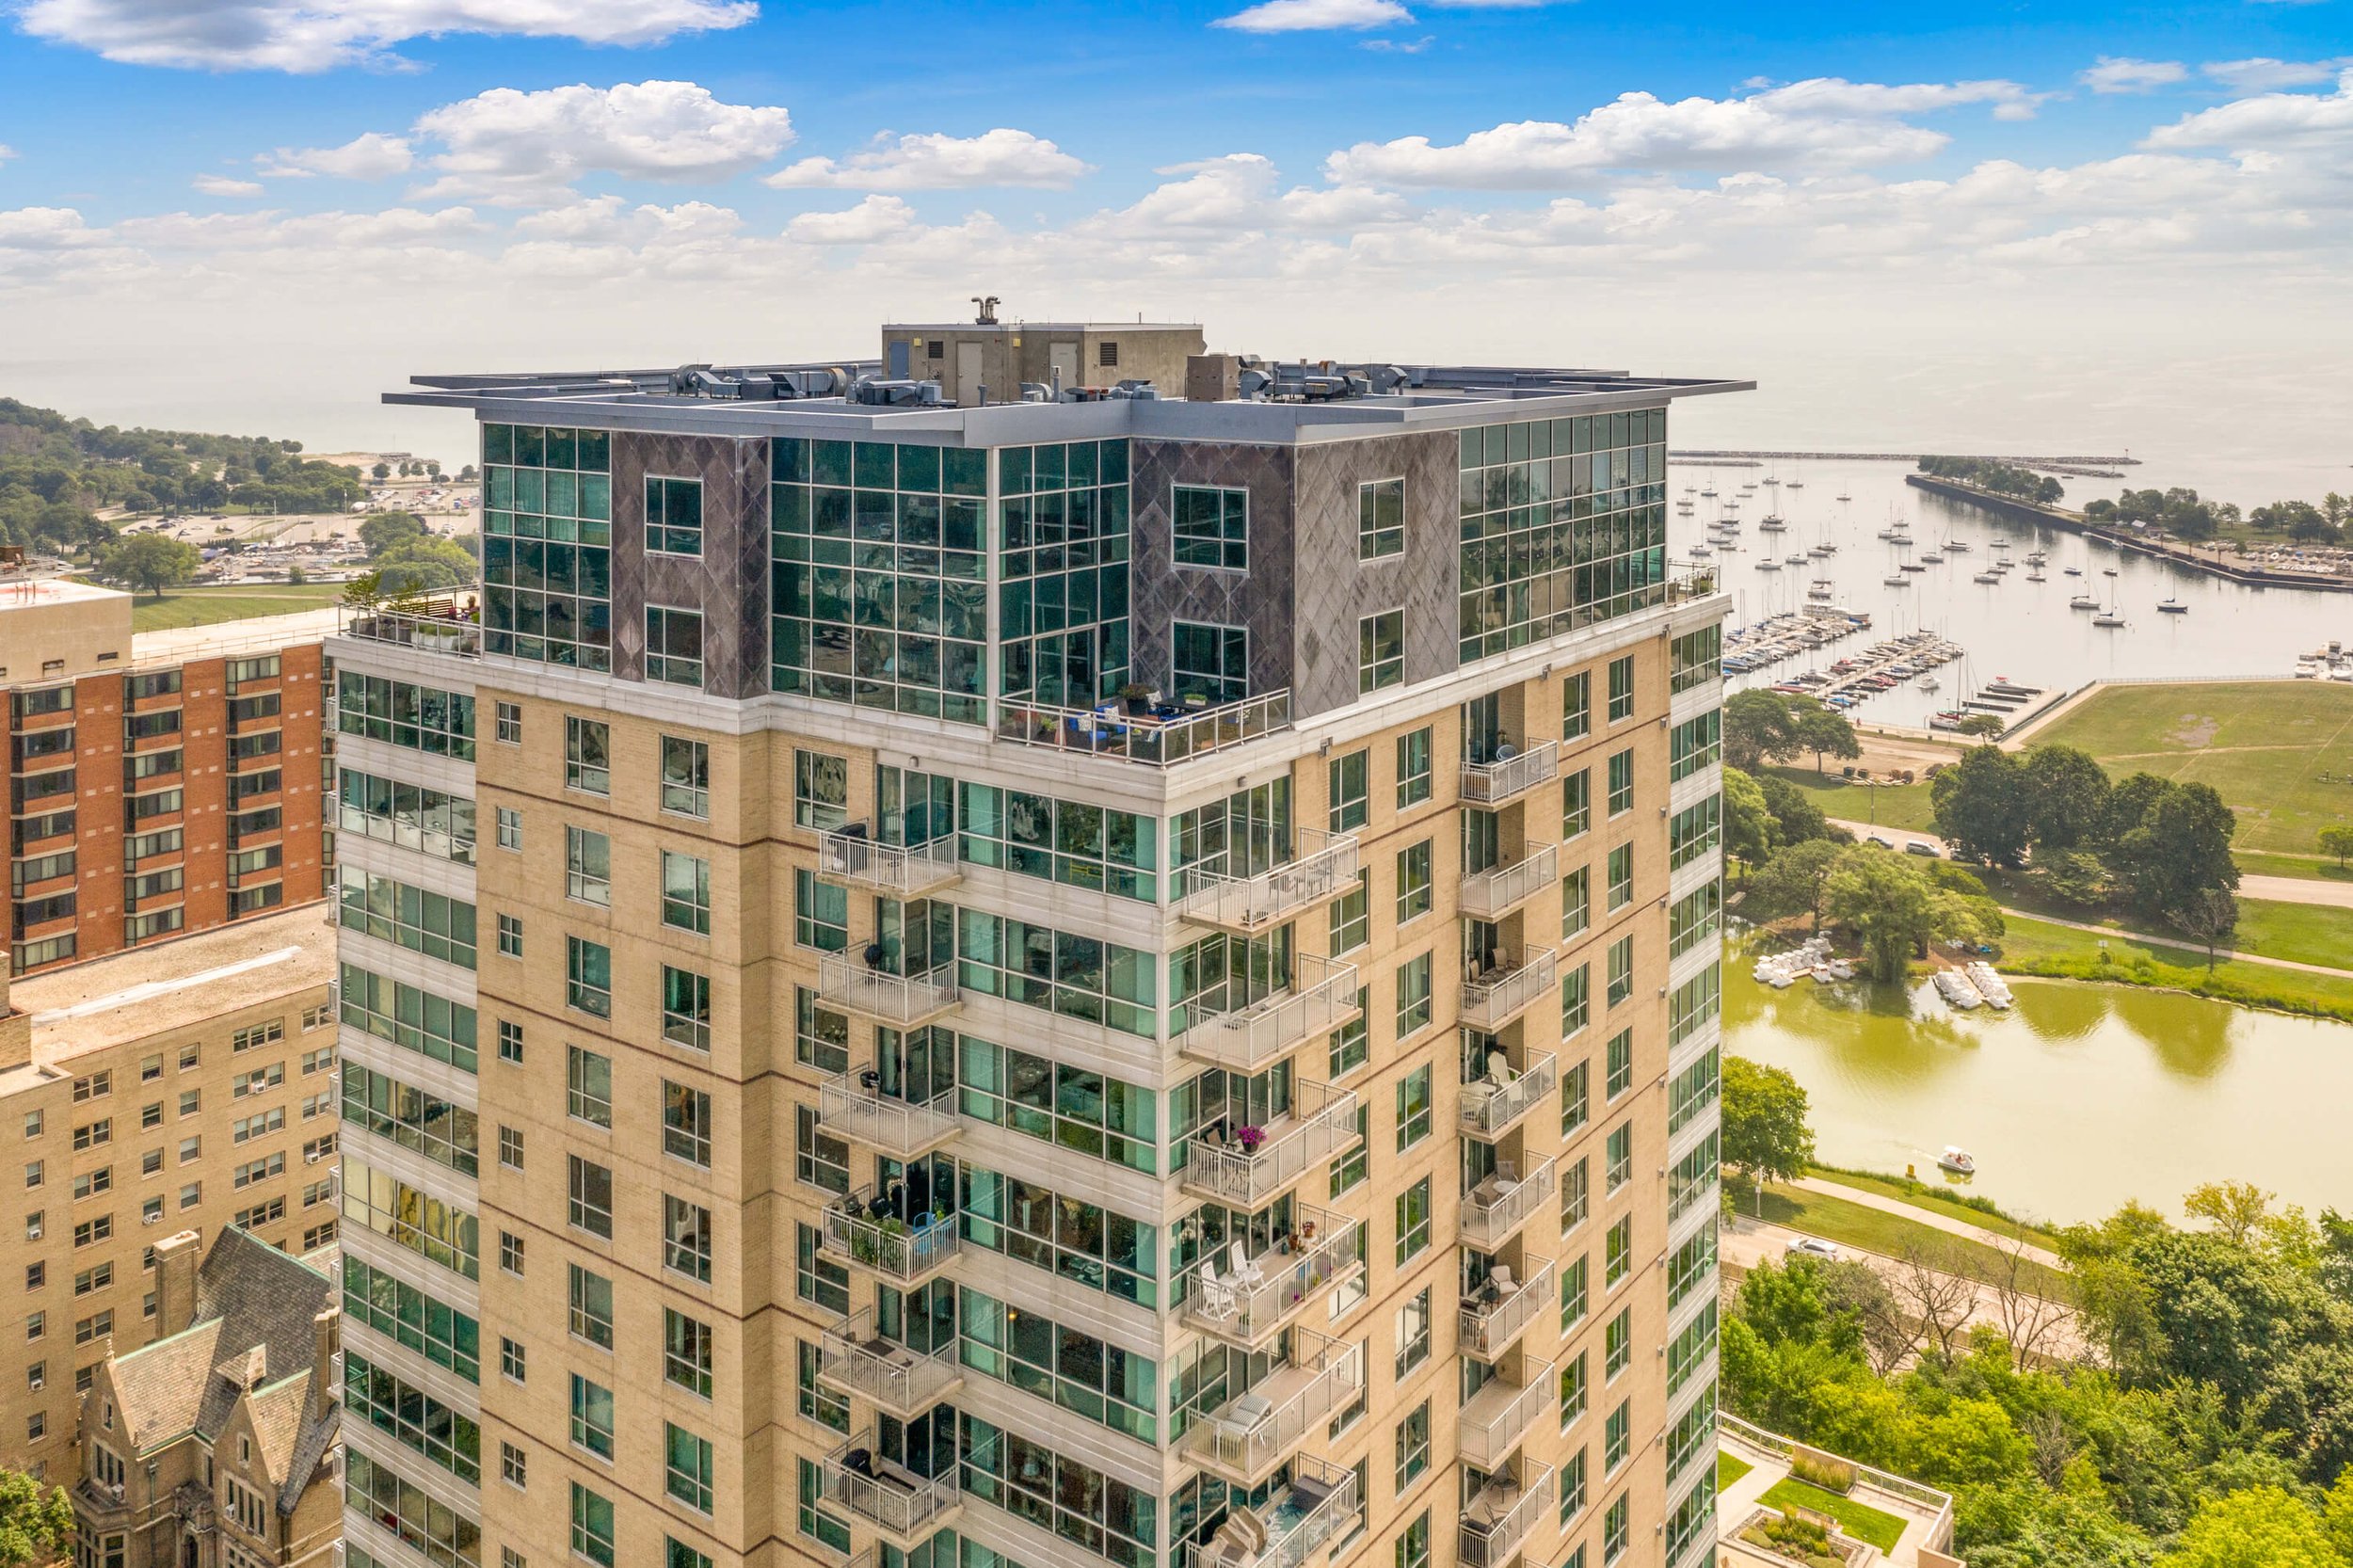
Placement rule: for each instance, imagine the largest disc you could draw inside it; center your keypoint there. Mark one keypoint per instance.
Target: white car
(1810, 1246)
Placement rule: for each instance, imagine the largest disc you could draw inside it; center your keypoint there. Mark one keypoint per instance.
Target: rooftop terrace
(1878, 1515)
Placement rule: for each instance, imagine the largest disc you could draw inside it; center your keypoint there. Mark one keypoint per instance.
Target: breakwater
(2125, 539)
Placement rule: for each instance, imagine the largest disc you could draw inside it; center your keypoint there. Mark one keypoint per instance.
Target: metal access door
(899, 359)
(1063, 359)
(969, 373)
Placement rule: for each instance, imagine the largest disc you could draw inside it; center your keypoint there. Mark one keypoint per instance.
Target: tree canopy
(2001, 478)
(151, 561)
(1982, 806)
(1764, 725)
(1895, 909)
(1765, 1135)
(36, 1524)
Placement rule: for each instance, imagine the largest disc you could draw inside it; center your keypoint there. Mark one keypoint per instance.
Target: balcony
(1321, 997)
(1256, 1296)
(430, 623)
(1296, 1521)
(902, 871)
(1491, 894)
(894, 1377)
(1487, 1328)
(1491, 1109)
(1512, 775)
(1248, 1436)
(1495, 1522)
(1493, 1210)
(1500, 1414)
(1323, 868)
(903, 1506)
(852, 1105)
(1157, 740)
(886, 1245)
(1321, 1121)
(901, 1001)
(1511, 983)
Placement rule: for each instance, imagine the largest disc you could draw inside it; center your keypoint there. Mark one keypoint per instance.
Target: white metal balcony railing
(892, 1498)
(1294, 1523)
(1322, 867)
(1148, 739)
(1508, 986)
(1243, 1300)
(903, 871)
(1499, 1414)
(1488, 1327)
(850, 1106)
(898, 1250)
(1496, 892)
(1501, 1203)
(1497, 1520)
(1246, 1438)
(1321, 997)
(1490, 1107)
(845, 981)
(1321, 1121)
(893, 1376)
(1510, 775)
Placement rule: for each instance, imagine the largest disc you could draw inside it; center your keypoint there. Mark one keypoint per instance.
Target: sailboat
(2170, 606)
(2108, 617)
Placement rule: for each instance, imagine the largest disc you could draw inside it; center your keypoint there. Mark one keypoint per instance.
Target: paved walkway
(2221, 955)
(1920, 1214)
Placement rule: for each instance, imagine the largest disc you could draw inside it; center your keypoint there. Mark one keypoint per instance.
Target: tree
(2180, 847)
(2207, 915)
(1985, 726)
(2072, 877)
(1757, 728)
(2337, 839)
(2262, 1526)
(380, 531)
(1895, 909)
(421, 564)
(1981, 804)
(35, 1525)
(151, 561)
(1748, 823)
(433, 466)
(382, 470)
(1765, 1135)
(1795, 880)
(1795, 817)
(2067, 798)
(1824, 732)
(295, 576)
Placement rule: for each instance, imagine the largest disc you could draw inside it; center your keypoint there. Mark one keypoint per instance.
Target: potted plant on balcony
(1138, 697)
(1250, 1138)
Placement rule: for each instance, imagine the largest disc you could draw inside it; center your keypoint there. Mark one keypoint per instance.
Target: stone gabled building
(218, 1444)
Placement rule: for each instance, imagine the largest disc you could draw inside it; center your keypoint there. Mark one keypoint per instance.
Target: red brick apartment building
(160, 784)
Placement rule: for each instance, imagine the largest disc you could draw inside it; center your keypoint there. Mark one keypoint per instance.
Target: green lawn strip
(1729, 1468)
(1903, 808)
(1875, 1230)
(1920, 1194)
(2278, 752)
(2033, 946)
(2300, 932)
(186, 607)
(2309, 868)
(1881, 1528)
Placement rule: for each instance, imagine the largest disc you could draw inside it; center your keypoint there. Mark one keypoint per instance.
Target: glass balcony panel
(1322, 868)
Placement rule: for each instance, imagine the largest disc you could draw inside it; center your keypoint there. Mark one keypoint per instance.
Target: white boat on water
(1958, 1160)
(1958, 993)
(1990, 985)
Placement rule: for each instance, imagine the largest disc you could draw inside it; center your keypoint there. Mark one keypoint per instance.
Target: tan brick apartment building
(159, 784)
(934, 1107)
(185, 1086)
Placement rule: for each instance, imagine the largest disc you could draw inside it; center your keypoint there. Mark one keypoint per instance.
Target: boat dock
(1881, 668)
(1788, 635)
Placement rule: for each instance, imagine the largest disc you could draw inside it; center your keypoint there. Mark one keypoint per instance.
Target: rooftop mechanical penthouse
(1085, 952)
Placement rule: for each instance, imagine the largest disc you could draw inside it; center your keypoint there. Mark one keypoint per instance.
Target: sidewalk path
(1923, 1215)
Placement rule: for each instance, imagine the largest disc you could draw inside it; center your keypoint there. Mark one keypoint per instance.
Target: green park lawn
(1729, 1468)
(1875, 1230)
(1921, 1194)
(2041, 947)
(2312, 867)
(2278, 752)
(1902, 806)
(1881, 1530)
(183, 607)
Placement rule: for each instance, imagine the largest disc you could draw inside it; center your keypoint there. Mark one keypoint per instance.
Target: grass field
(1902, 806)
(1920, 1194)
(2311, 867)
(210, 606)
(1853, 1225)
(2039, 947)
(2264, 745)
(1881, 1530)
(1729, 1468)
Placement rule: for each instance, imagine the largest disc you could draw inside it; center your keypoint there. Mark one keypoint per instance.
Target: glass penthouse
(1082, 953)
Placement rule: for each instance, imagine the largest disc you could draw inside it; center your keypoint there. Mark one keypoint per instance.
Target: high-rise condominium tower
(1058, 974)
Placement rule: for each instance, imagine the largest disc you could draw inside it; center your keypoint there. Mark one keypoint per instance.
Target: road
(1743, 1243)
(2273, 890)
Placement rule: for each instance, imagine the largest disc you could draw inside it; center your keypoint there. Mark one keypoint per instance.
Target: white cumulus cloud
(1312, 16)
(877, 217)
(515, 148)
(2271, 122)
(935, 162)
(372, 155)
(1824, 123)
(2122, 74)
(2265, 74)
(45, 229)
(319, 35)
(220, 185)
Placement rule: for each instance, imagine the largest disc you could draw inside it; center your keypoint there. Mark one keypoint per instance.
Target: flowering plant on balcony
(1250, 1138)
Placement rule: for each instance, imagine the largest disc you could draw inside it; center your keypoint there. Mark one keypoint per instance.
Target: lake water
(2077, 1098)
(2017, 630)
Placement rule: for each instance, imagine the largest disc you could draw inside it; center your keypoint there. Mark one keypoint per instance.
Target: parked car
(1811, 1246)
(1875, 838)
(1921, 846)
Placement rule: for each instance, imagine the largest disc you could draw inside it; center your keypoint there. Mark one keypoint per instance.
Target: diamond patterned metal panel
(729, 583)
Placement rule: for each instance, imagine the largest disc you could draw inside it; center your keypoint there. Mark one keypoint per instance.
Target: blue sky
(1829, 194)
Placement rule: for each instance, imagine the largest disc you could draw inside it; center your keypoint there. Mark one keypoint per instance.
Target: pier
(1878, 668)
(2080, 466)
(1783, 636)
